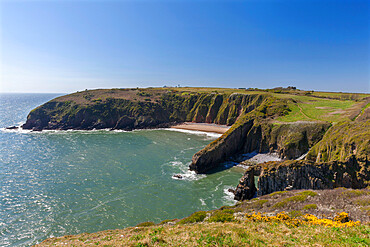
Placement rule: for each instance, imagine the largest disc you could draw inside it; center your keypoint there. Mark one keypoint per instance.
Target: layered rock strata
(340, 159)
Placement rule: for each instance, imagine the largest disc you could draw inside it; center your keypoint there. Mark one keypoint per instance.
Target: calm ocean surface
(67, 182)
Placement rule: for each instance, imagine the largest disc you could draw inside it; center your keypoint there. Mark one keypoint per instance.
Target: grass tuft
(310, 206)
(195, 217)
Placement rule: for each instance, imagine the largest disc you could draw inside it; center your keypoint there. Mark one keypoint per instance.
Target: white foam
(229, 196)
(19, 130)
(185, 173)
(211, 135)
(26, 131)
(242, 166)
(302, 156)
(202, 201)
(189, 175)
(261, 158)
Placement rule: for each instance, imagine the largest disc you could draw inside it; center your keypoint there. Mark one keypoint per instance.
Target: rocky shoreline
(247, 122)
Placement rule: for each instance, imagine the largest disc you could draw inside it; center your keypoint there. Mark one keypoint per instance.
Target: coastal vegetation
(322, 138)
(317, 220)
(248, 233)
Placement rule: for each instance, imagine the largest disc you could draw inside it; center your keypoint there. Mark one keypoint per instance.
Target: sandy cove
(206, 127)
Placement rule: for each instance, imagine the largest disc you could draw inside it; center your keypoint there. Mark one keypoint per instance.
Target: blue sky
(66, 46)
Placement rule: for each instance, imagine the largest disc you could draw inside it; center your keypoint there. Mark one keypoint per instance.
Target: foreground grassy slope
(221, 234)
(239, 226)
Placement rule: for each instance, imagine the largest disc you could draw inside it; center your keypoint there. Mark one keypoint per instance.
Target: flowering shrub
(341, 220)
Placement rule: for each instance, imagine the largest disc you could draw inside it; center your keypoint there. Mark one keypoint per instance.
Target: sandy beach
(202, 127)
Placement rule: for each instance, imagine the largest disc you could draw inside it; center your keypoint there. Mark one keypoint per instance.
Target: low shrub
(228, 211)
(143, 94)
(278, 193)
(310, 206)
(228, 207)
(166, 221)
(295, 213)
(195, 217)
(363, 202)
(308, 193)
(296, 198)
(342, 217)
(145, 224)
(341, 220)
(257, 204)
(355, 193)
(221, 216)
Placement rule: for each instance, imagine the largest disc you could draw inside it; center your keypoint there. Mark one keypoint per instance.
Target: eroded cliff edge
(135, 108)
(340, 159)
(254, 117)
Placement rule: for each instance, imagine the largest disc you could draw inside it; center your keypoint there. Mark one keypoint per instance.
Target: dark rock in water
(12, 128)
(231, 190)
(177, 176)
(246, 188)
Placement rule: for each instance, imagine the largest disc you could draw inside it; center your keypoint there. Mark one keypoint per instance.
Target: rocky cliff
(251, 115)
(340, 159)
(258, 134)
(88, 110)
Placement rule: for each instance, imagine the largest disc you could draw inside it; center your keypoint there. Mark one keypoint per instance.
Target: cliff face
(290, 141)
(340, 159)
(343, 140)
(134, 114)
(294, 175)
(251, 116)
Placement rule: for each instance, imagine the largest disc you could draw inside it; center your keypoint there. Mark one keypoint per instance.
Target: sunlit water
(55, 183)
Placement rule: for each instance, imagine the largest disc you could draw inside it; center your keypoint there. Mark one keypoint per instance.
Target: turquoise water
(67, 182)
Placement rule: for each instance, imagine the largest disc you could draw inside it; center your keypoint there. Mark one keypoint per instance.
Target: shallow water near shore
(56, 183)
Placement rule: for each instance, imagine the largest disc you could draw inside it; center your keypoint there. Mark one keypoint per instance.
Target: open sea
(55, 183)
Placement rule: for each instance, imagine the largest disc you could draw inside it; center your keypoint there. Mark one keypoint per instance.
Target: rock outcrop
(293, 175)
(340, 159)
(290, 141)
(84, 110)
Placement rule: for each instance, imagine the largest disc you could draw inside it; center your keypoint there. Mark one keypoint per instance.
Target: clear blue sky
(65, 46)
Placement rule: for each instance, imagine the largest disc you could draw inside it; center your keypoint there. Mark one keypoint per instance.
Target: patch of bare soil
(323, 107)
(339, 111)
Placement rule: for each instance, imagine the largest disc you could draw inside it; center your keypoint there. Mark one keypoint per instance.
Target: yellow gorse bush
(341, 220)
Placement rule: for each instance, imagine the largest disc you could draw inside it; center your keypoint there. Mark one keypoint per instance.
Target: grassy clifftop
(263, 120)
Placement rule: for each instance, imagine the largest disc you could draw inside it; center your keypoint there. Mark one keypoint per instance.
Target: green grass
(221, 216)
(278, 193)
(299, 197)
(355, 193)
(310, 206)
(316, 109)
(195, 217)
(363, 202)
(308, 193)
(145, 224)
(222, 234)
(257, 204)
